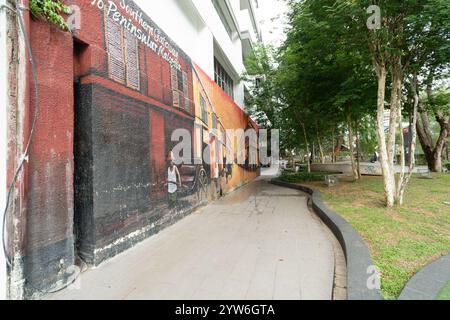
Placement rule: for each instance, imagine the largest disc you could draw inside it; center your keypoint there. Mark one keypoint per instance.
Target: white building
(216, 34)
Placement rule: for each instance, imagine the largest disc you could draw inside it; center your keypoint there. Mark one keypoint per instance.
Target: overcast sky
(271, 16)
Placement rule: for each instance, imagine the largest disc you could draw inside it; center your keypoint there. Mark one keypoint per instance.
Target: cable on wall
(25, 156)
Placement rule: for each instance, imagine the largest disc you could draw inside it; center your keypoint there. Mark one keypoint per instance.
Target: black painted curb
(356, 252)
(428, 282)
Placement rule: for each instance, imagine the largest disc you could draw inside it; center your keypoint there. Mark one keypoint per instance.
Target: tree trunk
(441, 142)
(337, 149)
(395, 101)
(412, 161)
(388, 175)
(351, 141)
(446, 151)
(320, 145)
(402, 155)
(307, 147)
(358, 151)
(433, 152)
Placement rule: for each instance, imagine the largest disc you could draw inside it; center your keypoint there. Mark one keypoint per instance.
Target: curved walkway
(261, 242)
(428, 282)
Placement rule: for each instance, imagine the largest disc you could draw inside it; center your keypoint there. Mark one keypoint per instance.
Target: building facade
(216, 34)
(111, 95)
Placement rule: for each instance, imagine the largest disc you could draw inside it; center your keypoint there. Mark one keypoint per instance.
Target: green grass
(401, 240)
(445, 293)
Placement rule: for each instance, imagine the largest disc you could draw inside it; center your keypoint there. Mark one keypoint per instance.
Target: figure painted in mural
(173, 183)
(229, 170)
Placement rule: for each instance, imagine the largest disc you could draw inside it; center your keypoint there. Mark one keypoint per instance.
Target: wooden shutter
(187, 102)
(175, 93)
(114, 43)
(176, 98)
(132, 60)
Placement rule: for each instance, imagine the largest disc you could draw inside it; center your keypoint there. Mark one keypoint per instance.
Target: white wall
(3, 145)
(180, 20)
(195, 26)
(231, 47)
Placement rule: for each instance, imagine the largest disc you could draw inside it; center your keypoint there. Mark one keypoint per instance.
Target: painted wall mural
(104, 176)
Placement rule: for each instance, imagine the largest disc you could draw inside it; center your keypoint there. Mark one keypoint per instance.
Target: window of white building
(223, 79)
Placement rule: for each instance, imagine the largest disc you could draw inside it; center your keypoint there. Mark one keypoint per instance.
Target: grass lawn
(401, 240)
(445, 293)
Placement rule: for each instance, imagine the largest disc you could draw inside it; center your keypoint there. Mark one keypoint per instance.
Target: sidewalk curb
(429, 281)
(356, 252)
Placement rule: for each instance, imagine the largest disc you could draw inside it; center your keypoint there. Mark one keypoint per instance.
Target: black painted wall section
(114, 209)
(121, 175)
(46, 268)
(83, 156)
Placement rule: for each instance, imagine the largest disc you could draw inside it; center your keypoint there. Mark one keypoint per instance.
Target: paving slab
(259, 243)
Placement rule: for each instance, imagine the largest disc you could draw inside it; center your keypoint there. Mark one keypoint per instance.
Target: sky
(271, 16)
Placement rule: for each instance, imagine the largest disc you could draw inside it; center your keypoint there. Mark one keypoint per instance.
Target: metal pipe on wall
(3, 133)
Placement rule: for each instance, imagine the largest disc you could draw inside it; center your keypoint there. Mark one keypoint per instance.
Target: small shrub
(50, 10)
(447, 165)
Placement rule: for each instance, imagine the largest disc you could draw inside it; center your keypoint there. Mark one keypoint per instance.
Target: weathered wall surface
(109, 102)
(48, 245)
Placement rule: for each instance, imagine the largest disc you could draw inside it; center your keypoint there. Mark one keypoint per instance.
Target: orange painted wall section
(229, 115)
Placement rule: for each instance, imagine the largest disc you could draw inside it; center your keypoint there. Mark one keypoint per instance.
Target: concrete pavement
(261, 242)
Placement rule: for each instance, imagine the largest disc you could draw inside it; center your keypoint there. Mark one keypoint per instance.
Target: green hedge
(447, 165)
(303, 176)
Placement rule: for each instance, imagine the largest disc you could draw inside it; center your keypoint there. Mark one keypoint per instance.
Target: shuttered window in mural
(175, 92)
(187, 103)
(114, 41)
(180, 89)
(132, 61)
(123, 54)
(204, 110)
(214, 121)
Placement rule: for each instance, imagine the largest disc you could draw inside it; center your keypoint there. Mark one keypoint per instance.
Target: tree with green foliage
(335, 68)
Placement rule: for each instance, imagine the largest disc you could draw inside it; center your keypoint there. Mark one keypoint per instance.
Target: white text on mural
(149, 35)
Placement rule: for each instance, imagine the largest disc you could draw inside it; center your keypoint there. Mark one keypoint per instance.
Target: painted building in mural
(99, 179)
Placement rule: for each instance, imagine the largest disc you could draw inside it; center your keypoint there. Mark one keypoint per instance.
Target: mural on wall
(129, 89)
